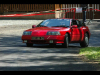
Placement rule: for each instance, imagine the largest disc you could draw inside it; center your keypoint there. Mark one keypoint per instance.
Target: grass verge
(91, 53)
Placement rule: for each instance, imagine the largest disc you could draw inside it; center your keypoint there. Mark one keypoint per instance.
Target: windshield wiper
(41, 26)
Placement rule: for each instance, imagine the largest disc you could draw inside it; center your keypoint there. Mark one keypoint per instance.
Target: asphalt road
(15, 56)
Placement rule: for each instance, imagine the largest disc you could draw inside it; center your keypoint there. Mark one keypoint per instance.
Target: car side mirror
(74, 26)
(33, 26)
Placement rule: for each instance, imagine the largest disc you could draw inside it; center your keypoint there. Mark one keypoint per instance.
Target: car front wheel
(85, 43)
(66, 41)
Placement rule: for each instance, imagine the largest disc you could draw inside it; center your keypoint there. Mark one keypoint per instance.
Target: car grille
(37, 38)
(39, 41)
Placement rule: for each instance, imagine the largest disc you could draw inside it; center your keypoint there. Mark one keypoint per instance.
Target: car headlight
(53, 33)
(27, 33)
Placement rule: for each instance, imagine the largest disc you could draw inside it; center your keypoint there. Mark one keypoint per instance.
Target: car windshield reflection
(55, 23)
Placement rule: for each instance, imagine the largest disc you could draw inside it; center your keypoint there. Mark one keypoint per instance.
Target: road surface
(15, 56)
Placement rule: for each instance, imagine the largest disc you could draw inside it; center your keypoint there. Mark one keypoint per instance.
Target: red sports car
(55, 31)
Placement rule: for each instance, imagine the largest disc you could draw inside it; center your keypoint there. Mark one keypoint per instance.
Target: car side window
(73, 22)
(78, 24)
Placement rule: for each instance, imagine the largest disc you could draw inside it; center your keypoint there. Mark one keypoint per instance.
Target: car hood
(46, 29)
(43, 30)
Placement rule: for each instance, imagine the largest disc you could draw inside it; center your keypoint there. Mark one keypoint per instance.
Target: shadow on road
(69, 67)
(42, 59)
(15, 41)
(15, 56)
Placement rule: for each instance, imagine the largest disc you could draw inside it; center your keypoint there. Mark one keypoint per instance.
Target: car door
(75, 32)
(83, 30)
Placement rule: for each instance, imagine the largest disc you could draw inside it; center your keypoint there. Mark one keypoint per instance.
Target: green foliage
(92, 53)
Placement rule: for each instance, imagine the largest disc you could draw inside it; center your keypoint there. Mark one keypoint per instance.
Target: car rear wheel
(85, 43)
(29, 44)
(66, 41)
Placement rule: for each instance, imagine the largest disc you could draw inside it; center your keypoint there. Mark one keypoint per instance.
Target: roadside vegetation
(91, 53)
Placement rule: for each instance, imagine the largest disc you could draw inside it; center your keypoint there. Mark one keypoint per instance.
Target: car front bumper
(47, 39)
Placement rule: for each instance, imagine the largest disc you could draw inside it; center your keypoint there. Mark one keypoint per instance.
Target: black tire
(29, 44)
(85, 43)
(66, 41)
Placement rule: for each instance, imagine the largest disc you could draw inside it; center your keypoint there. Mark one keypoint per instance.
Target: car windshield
(55, 23)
